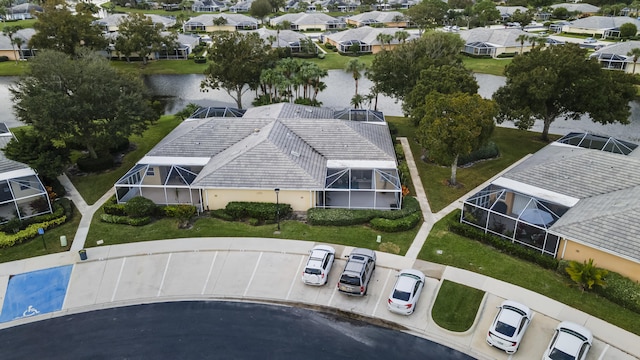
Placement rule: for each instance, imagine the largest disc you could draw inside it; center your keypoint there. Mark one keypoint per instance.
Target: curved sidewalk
(268, 270)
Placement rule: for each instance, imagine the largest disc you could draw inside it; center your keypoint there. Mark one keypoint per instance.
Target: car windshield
(505, 329)
(312, 271)
(556, 354)
(401, 295)
(350, 280)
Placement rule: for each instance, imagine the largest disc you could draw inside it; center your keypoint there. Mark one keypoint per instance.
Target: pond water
(179, 90)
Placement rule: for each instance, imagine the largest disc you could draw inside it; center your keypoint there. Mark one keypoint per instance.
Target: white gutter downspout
(564, 247)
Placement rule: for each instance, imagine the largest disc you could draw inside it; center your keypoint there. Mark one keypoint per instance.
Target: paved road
(213, 330)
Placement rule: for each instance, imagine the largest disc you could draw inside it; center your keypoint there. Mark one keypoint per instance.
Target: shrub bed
(396, 225)
(344, 217)
(262, 211)
(504, 245)
(30, 232)
(126, 220)
(221, 214)
(621, 290)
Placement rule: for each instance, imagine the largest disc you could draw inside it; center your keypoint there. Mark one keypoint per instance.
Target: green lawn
(358, 236)
(10, 68)
(22, 23)
(474, 256)
(34, 246)
(512, 143)
(486, 66)
(456, 306)
(165, 67)
(94, 186)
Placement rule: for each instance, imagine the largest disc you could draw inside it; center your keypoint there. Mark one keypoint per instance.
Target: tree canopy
(47, 157)
(83, 100)
(426, 14)
(550, 82)
(58, 29)
(485, 11)
(138, 34)
(396, 72)
(455, 125)
(237, 59)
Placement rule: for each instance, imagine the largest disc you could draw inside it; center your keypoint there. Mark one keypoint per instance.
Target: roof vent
(295, 153)
(256, 130)
(309, 111)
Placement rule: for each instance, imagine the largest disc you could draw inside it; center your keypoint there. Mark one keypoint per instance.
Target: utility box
(63, 240)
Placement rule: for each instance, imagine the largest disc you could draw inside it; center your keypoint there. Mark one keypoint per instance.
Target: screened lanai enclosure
(361, 189)
(163, 184)
(23, 197)
(517, 217)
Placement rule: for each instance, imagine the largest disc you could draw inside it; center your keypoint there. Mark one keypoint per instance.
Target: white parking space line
(206, 283)
(295, 277)
(375, 308)
(604, 351)
(335, 290)
(164, 275)
(115, 288)
(253, 274)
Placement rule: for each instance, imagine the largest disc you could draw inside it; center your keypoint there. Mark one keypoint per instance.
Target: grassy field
(164, 67)
(486, 66)
(474, 256)
(358, 236)
(10, 68)
(34, 247)
(456, 306)
(94, 186)
(22, 23)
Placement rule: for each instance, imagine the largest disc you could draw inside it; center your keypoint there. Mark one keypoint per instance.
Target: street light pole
(277, 190)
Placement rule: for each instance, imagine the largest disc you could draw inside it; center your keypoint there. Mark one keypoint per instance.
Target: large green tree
(485, 12)
(427, 14)
(260, 9)
(138, 34)
(396, 72)
(48, 157)
(59, 29)
(83, 100)
(445, 79)
(455, 125)
(237, 59)
(558, 81)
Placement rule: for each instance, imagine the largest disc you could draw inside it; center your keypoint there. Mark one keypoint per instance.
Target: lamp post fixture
(277, 190)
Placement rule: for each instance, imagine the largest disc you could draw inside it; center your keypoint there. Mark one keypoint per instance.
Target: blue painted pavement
(36, 292)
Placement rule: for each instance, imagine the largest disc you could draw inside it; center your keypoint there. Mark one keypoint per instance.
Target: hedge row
(257, 210)
(504, 245)
(396, 225)
(345, 217)
(126, 220)
(7, 240)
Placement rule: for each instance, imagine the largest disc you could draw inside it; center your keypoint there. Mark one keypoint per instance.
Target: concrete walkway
(257, 269)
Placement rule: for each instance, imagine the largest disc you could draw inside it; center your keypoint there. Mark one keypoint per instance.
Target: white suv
(319, 264)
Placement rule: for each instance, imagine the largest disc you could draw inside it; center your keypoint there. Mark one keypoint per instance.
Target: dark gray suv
(357, 273)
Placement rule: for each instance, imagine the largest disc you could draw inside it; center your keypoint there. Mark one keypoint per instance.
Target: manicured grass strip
(456, 306)
(358, 236)
(94, 186)
(10, 68)
(34, 246)
(160, 67)
(486, 66)
(474, 256)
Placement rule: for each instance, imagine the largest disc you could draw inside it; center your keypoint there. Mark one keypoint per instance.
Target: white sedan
(509, 326)
(406, 291)
(569, 342)
(319, 265)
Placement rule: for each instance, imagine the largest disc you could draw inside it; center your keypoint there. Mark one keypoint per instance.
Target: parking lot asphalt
(269, 270)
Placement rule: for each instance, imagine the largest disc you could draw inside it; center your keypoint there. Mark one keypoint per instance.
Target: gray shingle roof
(366, 34)
(579, 7)
(232, 19)
(287, 147)
(380, 16)
(314, 18)
(497, 37)
(607, 185)
(24, 34)
(622, 48)
(604, 22)
(6, 164)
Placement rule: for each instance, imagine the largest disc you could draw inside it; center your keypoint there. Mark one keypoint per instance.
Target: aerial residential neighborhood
(486, 226)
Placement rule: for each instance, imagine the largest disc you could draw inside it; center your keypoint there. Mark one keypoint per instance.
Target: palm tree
(219, 21)
(357, 100)
(522, 38)
(635, 52)
(19, 42)
(401, 35)
(355, 68)
(9, 31)
(586, 274)
(384, 38)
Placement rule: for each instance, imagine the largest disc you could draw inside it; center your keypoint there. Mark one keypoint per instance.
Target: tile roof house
(22, 11)
(22, 195)
(309, 21)
(582, 8)
(493, 42)
(615, 57)
(12, 51)
(366, 36)
(282, 38)
(601, 26)
(228, 22)
(379, 18)
(570, 201)
(317, 157)
(112, 22)
(507, 11)
(208, 6)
